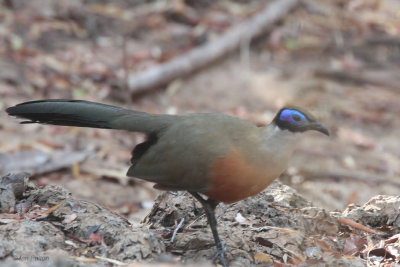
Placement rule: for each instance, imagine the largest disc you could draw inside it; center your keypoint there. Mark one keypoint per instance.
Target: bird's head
(296, 119)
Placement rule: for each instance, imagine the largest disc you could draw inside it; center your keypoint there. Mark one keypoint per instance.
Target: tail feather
(88, 114)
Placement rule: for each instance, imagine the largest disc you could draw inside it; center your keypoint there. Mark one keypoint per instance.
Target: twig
(50, 210)
(77, 239)
(112, 261)
(195, 220)
(176, 231)
(210, 52)
(356, 225)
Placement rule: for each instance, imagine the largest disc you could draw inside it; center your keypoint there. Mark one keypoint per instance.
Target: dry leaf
(262, 257)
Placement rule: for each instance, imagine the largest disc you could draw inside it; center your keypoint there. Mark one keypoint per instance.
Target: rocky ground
(46, 226)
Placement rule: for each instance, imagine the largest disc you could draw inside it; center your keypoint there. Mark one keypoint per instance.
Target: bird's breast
(235, 177)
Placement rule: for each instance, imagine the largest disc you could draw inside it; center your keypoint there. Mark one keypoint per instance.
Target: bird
(215, 157)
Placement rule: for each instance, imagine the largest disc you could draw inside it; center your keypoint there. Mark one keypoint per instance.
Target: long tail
(88, 114)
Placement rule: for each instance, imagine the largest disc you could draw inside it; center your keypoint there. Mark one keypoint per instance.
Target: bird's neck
(280, 143)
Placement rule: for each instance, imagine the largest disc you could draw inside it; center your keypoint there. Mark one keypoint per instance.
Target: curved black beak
(318, 126)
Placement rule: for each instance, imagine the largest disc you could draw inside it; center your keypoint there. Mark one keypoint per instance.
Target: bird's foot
(220, 253)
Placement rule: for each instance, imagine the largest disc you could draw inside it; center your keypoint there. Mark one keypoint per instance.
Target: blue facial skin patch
(289, 116)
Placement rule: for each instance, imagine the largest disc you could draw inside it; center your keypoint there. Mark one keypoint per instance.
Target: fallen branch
(383, 40)
(210, 52)
(348, 176)
(378, 79)
(38, 162)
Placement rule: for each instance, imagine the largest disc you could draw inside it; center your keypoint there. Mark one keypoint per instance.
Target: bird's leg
(209, 206)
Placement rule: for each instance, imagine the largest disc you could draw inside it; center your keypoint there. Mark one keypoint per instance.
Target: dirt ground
(338, 59)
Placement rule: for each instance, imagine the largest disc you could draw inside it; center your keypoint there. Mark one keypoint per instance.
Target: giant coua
(222, 157)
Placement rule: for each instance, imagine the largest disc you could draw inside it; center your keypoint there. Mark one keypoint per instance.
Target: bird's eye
(296, 117)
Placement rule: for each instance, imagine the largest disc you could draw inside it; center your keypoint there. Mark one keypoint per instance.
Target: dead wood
(378, 79)
(383, 40)
(353, 176)
(204, 55)
(37, 162)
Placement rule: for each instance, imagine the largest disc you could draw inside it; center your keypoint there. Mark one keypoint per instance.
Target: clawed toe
(220, 254)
